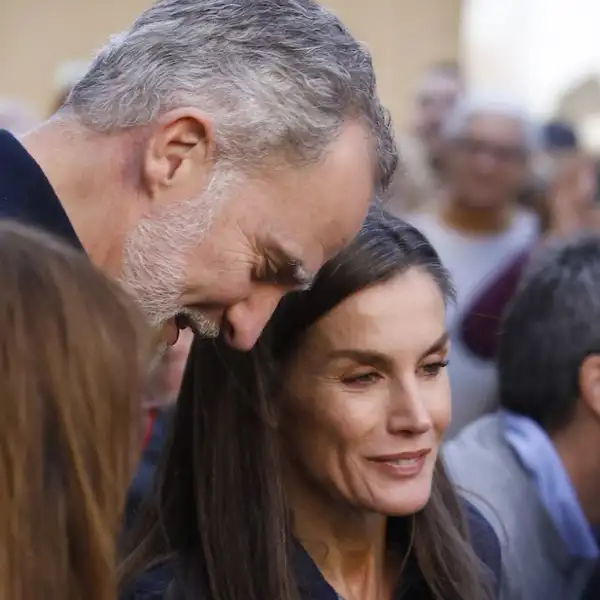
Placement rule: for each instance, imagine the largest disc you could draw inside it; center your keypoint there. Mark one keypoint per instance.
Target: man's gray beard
(156, 254)
(154, 259)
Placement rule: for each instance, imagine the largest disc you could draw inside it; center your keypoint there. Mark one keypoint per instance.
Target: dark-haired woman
(308, 468)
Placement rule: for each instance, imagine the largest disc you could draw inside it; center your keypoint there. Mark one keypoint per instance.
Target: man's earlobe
(589, 383)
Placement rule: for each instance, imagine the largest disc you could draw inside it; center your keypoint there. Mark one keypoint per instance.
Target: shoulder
(477, 446)
(486, 471)
(484, 541)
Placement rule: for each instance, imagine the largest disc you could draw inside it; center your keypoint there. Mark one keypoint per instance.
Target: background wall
(405, 36)
(545, 53)
(37, 35)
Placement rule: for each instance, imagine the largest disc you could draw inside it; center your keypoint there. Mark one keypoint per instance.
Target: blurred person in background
(533, 468)
(440, 87)
(16, 117)
(562, 188)
(73, 359)
(418, 179)
(159, 398)
(308, 468)
(568, 182)
(483, 237)
(559, 142)
(571, 200)
(178, 169)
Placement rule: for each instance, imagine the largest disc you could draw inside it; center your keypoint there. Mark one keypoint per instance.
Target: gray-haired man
(212, 158)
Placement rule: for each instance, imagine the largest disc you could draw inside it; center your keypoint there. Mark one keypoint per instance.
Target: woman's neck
(474, 221)
(347, 545)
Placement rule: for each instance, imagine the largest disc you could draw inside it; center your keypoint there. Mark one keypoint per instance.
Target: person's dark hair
(557, 136)
(72, 359)
(220, 510)
(551, 325)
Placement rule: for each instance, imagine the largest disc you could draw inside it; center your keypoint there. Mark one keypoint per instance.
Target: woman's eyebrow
(439, 345)
(368, 357)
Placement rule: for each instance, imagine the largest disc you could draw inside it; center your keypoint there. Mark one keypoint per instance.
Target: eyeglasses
(501, 153)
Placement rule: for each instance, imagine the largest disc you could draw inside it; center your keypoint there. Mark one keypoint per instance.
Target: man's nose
(245, 320)
(485, 162)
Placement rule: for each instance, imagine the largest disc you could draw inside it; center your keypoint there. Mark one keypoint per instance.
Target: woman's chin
(401, 504)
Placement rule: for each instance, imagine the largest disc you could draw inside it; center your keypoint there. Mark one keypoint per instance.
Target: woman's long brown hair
(220, 514)
(72, 349)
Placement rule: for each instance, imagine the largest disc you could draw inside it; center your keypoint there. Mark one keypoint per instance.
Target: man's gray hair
(274, 75)
(489, 104)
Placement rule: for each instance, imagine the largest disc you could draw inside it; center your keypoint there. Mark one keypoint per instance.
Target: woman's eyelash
(434, 369)
(430, 370)
(361, 378)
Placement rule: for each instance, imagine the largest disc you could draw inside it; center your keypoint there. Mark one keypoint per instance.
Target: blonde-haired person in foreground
(72, 354)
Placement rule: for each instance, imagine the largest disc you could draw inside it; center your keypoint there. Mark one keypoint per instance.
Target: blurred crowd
(492, 189)
(481, 261)
(487, 184)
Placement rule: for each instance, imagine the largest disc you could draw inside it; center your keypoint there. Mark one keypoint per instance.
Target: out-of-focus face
(436, 97)
(167, 374)
(227, 257)
(488, 165)
(368, 399)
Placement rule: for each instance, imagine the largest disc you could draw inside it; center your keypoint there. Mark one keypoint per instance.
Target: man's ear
(182, 139)
(589, 383)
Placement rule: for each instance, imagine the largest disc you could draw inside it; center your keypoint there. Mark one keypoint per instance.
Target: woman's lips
(401, 465)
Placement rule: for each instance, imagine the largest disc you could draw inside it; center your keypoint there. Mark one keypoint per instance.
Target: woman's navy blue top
(154, 584)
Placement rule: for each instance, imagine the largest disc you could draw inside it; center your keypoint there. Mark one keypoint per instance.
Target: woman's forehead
(406, 310)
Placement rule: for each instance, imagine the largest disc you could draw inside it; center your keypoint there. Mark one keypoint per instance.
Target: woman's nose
(408, 411)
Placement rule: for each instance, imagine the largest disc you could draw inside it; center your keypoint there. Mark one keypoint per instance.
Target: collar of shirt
(540, 459)
(27, 196)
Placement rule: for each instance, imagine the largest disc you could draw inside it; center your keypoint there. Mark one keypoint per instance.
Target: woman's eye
(433, 369)
(361, 379)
